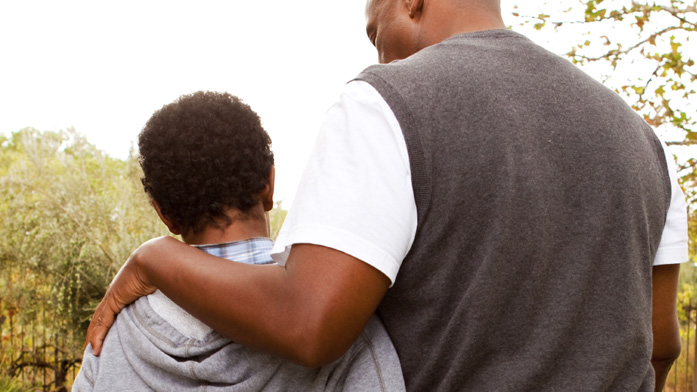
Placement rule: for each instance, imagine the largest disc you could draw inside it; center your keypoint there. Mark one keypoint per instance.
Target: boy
(208, 169)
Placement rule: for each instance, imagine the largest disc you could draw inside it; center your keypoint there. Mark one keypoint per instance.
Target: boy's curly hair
(202, 154)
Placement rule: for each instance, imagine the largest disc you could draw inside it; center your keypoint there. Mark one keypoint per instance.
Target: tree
(70, 216)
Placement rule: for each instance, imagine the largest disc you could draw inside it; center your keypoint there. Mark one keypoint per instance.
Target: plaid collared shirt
(252, 251)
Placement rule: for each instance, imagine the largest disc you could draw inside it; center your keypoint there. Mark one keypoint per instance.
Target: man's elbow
(315, 359)
(666, 338)
(667, 354)
(314, 351)
(319, 345)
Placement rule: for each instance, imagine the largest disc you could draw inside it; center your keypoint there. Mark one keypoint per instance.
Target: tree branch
(673, 11)
(617, 53)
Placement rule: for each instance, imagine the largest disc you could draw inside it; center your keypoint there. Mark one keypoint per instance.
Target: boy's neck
(239, 230)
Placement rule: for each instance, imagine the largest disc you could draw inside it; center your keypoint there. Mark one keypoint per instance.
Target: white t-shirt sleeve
(355, 195)
(673, 246)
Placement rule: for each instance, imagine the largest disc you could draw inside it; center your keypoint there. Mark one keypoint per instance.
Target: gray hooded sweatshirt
(156, 345)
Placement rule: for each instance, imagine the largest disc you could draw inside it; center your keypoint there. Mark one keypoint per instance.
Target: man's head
(400, 28)
(204, 155)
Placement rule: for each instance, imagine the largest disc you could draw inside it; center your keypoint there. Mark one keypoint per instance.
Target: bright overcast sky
(104, 67)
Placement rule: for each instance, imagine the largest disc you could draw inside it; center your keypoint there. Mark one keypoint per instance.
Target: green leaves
(592, 13)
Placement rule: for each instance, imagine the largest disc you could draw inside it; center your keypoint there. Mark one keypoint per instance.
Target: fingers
(102, 320)
(92, 326)
(99, 333)
(128, 285)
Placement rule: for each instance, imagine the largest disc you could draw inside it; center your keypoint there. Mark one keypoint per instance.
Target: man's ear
(267, 193)
(171, 225)
(415, 7)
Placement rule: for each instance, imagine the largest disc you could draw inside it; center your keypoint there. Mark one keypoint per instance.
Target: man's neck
(444, 21)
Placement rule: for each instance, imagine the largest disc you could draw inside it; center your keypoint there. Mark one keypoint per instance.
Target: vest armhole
(420, 180)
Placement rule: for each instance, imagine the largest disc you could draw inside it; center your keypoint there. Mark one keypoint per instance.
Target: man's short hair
(203, 154)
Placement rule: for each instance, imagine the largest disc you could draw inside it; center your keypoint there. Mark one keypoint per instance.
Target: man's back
(541, 201)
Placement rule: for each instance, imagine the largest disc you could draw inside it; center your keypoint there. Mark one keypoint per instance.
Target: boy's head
(204, 155)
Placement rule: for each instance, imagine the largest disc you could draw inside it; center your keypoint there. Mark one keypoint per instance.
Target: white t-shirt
(356, 195)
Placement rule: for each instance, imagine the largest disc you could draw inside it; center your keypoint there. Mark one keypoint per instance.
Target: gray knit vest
(541, 200)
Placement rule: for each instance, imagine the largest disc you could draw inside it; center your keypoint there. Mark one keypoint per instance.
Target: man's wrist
(153, 254)
(142, 256)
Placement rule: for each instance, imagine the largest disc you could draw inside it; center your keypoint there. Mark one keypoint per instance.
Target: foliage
(11, 385)
(276, 218)
(69, 217)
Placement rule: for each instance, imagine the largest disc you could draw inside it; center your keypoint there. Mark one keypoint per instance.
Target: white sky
(104, 67)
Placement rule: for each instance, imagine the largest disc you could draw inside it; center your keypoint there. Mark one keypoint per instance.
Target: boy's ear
(267, 193)
(171, 225)
(414, 7)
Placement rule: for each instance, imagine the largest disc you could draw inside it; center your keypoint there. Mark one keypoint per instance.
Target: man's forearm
(666, 329)
(305, 312)
(661, 368)
(240, 301)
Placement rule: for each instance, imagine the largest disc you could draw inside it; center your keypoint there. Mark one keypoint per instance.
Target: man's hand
(128, 285)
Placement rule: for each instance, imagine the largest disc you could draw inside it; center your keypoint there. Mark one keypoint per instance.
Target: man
(514, 206)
